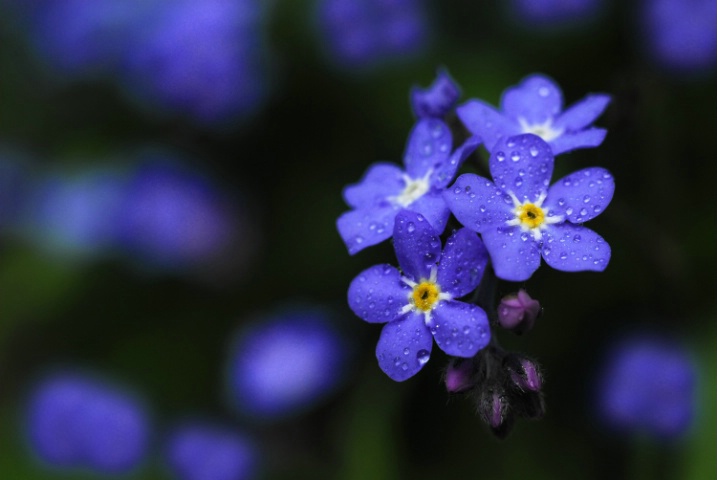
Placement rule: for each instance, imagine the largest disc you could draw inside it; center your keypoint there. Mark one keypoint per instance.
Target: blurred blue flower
(200, 451)
(366, 33)
(647, 385)
(76, 215)
(418, 304)
(172, 216)
(520, 219)
(554, 13)
(202, 58)
(15, 187)
(386, 189)
(286, 363)
(535, 106)
(437, 100)
(77, 421)
(681, 34)
(79, 36)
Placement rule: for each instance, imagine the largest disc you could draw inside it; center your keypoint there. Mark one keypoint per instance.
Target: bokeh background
(170, 177)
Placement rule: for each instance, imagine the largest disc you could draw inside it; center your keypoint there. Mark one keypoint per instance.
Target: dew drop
(534, 151)
(411, 227)
(422, 356)
(586, 199)
(406, 351)
(404, 366)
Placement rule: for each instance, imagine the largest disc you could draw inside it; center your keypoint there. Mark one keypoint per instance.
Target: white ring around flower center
(415, 188)
(544, 130)
(531, 224)
(411, 305)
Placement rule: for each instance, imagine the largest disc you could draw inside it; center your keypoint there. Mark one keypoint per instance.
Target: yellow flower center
(530, 215)
(425, 295)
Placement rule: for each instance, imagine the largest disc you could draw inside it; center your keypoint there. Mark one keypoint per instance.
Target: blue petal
(438, 99)
(515, 254)
(434, 209)
(483, 120)
(462, 264)
(477, 203)
(523, 165)
(582, 195)
(377, 295)
(589, 138)
(404, 347)
(574, 248)
(446, 171)
(417, 244)
(382, 180)
(583, 113)
(362, 228)
(429, 146)
(537, 99)
(460, 329)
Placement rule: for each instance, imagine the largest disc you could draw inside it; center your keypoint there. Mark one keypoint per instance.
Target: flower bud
(524, 372)
(495, 409)
(458, 375)
(518, 312)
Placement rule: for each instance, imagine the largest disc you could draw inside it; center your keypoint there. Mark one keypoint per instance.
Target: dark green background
(167, 335)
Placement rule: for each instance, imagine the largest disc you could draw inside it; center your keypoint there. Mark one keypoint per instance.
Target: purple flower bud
(458, 375)
(518, 312)
(438, 99)
(524, 372)
(495, 410)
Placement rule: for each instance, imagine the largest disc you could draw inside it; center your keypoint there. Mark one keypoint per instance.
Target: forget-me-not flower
(521, 218)
(418, 303)
(386, 188)
(536, 106)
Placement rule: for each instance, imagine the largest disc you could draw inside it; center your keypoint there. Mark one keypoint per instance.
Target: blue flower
(535, 106)
(520, 218)
(77, 421)
(386, 188)
(680, 34)
(647, 385)
(437, 100)
(199, 451)
(366, 33)
(285, 364)
(419, 303)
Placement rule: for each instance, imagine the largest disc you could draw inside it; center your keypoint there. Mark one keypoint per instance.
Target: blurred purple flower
(647, 384)
(386, 189)
(199, 451)
(172, 216)
(521, 218)
(681, 34)
(286, 363)
(554, 13)
(366, 33)
(79, 36)
(76, 421)
(536, 106)
(419, 303)
(203, 58)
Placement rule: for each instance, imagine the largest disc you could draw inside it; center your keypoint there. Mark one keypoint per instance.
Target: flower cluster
(509, 222)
